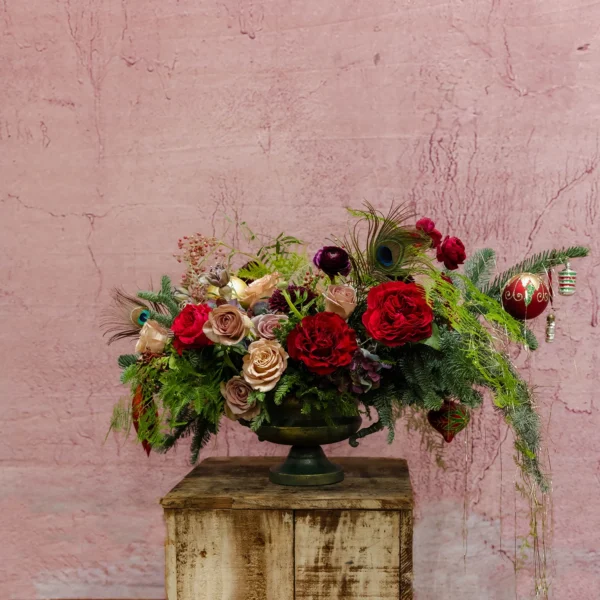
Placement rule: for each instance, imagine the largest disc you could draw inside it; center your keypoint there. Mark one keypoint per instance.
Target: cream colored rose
(227, 325)
(340, 299)
(153, 337)
(265, 325)
(259, 289)
(236, 392)
(264, 364)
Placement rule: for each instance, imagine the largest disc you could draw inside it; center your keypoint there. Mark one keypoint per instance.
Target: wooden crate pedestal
(233, 535)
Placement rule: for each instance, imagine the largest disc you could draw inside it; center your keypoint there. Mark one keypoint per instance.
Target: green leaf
(434, 340)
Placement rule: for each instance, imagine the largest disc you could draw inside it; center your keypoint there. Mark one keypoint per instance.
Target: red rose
(451, 253)
(398, 313)
(428, 226)
(323, 342)
(187, 327)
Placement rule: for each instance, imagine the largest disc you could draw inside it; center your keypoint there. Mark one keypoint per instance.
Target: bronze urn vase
(306, 463)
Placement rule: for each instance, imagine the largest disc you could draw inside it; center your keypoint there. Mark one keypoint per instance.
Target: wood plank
(406, 555)
(352, 555)
(233, 555)
(170, 556)
(242, 483)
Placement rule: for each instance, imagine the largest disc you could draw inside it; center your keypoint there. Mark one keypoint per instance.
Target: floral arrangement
(378, 321)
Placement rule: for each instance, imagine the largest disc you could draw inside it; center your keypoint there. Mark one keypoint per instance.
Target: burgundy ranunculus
(333, 261)
(188, 325)
(452, 253)
(428, 226)
(398, 313)
(323, 342)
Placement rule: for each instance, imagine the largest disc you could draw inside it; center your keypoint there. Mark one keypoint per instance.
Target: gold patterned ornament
(567, 279)
(550, 327)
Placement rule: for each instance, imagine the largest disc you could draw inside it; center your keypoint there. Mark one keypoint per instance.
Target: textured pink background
(125, 124)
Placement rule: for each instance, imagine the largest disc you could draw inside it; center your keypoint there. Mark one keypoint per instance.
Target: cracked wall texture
(125, 124)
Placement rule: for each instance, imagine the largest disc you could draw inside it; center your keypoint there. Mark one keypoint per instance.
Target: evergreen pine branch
(164, 320)
(165, 297)
(202, 430)
(126, 360)
(530, 339)
(538, 263)
(480, 266)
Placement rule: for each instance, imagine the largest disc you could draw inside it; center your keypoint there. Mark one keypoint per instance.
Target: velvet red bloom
(428, 226)
(452, 253)
(323, 342)
(398, 313)
(187, 327)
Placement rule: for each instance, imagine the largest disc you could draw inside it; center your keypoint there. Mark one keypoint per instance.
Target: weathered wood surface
(242, 483)
(354, 555)
(232, 535)
(230, 555)
(406, 555)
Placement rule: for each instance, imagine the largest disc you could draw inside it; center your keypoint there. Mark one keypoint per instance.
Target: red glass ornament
(449, 420)
(525, 296)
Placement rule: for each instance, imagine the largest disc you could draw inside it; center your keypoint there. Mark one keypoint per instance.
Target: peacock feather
(390, 248)
(127, 315)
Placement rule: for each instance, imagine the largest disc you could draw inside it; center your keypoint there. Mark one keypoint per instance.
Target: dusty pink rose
(264, 364)
(153, 338)
(236, 392)
(259, 289)
(341, 300)
(264, 325)
(227, 325)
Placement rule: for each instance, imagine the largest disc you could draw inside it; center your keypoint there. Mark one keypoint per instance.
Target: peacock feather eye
(389, 255)
(385, 256)
(139, 316)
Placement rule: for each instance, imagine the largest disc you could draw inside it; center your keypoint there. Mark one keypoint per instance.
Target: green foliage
(285, 386)
(261, 418)
(480, 266)
(277, 255)
(538, 263)
(126, 360)
(165, 297)
(183, 384)
(201, 433)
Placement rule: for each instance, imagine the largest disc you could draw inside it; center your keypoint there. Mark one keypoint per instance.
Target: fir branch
(166, 296)
(164, 320)
(126, 360)
(538, 263)
(479, 267)
(202, 431)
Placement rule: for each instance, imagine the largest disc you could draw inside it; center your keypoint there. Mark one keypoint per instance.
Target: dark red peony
(323, 342)
(398, 313)
(333, 261)
(187, 327)
(452, 253)
(428, 226)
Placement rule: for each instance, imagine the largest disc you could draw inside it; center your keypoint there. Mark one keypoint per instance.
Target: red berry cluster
(194, 251)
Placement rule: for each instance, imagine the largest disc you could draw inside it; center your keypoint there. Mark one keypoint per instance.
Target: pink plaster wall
(125, 124)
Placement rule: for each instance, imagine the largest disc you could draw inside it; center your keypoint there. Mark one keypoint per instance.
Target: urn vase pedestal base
(234, 535)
